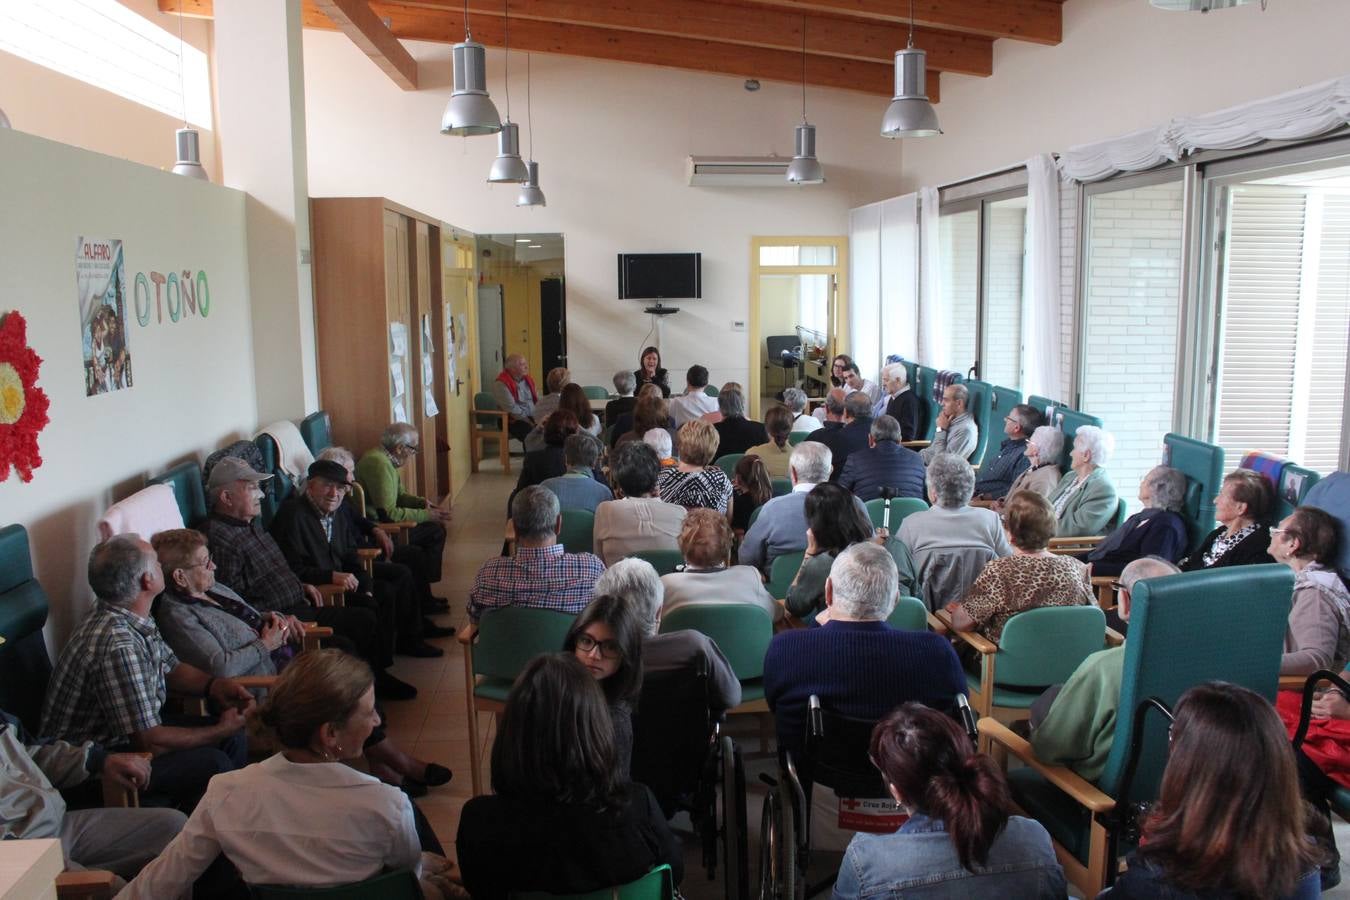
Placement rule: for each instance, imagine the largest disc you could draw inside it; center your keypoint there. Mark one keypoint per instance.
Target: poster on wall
(101, 288)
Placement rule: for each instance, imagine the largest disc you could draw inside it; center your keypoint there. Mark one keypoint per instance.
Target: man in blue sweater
(884, 464)
(855, 663)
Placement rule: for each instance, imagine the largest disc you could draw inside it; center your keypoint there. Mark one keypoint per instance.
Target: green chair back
(1001, 402)
(797, 437)
(275, 489)
(742, 632)
(185, 479)
(781, 573)
(979, 405)
(926, 427)
(25, 668)
(1202, 464)
(754, 514)
(1295, 482)
(1041, 404)
(781, 486)
(712, 391)
(510, 637)
(317, 431)
(578, 528)
(910, 614)
(900, 508)
(728, 463)
(485, 400)
(1069, 422)
(1183, 631)
(595, 392)
(658, 884)
(399, 885)
(1041, 647)
(663, 561)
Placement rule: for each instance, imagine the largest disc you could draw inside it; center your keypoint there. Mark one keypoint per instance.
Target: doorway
(797, 291)
(522, 276)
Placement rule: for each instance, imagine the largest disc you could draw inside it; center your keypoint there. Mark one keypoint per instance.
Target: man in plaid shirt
(110, 682)
(541, 574)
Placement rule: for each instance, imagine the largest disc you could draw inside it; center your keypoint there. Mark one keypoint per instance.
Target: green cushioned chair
(658, 884)
(1202, 464)
(1042, 403)
(754, 514)
(781, 573)
(489, 423)
(742, 631)
(578, 529)
(595, 392)
(797, 437)
(495, 651)
(188, 491)
(781, 486)
(1038, 648)
(979, 405)
(1069, 422)
(928, 409)
(712, 391)
(1183, 631)
(900, 508)
(317, 431)
(1001, 402)
(910, 614)
(275, 489)
(664, 561)
(25, 667)
(399, 885)
(728, 463)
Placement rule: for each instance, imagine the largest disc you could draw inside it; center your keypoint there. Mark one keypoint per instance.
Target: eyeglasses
(1275, 530)
(608, 649)
(412, 448)
(208, 563)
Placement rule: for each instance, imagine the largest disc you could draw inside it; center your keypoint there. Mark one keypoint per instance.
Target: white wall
(193, 387)
(611, 140)
(1122, 66)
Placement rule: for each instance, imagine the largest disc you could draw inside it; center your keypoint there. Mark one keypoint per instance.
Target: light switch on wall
(737, 324)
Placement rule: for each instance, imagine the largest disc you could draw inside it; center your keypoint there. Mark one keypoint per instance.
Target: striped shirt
(109, 681)
(541, 577)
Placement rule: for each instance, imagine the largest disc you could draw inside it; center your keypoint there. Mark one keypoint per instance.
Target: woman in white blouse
(302, 817)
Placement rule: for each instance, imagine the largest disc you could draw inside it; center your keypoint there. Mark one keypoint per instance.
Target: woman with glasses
(1318, 636)
(606, 638)
(561, 819)
(1228, 822)
(961, 839)
(1241, 507)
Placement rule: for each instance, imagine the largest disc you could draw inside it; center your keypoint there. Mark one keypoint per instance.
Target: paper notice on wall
(429, 407)
(396, 378)
(428, 347)
(398, 339)
(461, 335)
(400, 410)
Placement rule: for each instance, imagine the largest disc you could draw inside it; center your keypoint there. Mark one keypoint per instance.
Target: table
(28, 869)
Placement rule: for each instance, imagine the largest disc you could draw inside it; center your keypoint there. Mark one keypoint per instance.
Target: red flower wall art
(23, 405)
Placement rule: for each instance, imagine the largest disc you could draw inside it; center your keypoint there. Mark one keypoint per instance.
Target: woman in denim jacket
(960, 840)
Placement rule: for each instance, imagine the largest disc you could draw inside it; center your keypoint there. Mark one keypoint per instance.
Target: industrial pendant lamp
(470, 110)
(508, 167)
(805, 168)
(910, 114)
(1203, 6)
(530, 195)
(188, 141)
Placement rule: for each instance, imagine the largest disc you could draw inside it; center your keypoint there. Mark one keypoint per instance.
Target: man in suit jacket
(856, 433)
(884, 464)
(900, 403)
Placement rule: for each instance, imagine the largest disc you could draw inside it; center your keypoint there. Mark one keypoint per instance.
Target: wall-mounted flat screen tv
(660, 276)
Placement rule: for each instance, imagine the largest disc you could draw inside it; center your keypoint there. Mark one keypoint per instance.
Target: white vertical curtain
(1041, 293)
(864, 287)
(899, 277)
(932, 334)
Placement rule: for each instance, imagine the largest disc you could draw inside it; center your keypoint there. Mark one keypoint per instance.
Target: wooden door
(398, 310)
(428, 398)
(460, 344)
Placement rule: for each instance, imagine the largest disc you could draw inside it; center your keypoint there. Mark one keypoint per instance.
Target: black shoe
(387, 687)
(436, 604)
(413, 788)
(437, 775)
(419, 649)
(431, 630)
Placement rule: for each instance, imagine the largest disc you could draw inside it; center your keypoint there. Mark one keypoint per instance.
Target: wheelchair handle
(968, 717)
(816, 718)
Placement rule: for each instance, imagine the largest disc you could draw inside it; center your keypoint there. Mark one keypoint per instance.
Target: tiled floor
(435, 725)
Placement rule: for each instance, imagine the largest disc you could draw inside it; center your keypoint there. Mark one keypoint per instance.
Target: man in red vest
(514, 392)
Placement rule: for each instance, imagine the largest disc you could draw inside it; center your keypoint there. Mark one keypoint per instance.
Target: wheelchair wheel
(777, 847)
(733, 825)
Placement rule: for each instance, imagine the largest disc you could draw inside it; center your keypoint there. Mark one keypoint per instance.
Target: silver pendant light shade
(470, 110)
(910, 114)
(508, 166)
(530, 195)
(805, 168)
(189, 155)
(1203, 6)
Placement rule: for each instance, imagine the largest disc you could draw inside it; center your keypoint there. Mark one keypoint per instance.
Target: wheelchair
(680, 753)
(836, 756)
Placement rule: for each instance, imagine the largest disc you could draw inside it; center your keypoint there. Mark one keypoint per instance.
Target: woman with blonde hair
(695, 482)
(303, 816)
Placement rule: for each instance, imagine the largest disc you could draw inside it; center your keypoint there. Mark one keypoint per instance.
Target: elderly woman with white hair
(795, 400)
(952, 541)
(901, 403)
(1042, 452)
(1156, 530)
(1085, 500)
(678, 651)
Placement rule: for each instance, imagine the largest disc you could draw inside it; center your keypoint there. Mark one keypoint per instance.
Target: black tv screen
(660, 276)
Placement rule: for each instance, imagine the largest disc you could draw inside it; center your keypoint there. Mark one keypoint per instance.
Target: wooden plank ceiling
(850, 44)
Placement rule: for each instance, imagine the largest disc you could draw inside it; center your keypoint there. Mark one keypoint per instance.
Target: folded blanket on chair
(293, 456)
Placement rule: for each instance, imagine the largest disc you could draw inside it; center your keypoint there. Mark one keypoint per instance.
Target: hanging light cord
(529, 106)
(468, 35)
(911, 25)
(182, 79)
(803, 70)
(506, 54)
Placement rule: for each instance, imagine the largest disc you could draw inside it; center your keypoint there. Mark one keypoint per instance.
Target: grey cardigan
(211, 639)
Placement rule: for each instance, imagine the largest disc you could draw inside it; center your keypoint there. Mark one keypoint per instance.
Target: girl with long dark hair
(606, 638)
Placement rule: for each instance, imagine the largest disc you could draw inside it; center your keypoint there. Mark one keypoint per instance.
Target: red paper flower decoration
(23, 405)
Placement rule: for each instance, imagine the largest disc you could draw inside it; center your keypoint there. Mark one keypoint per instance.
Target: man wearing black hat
(320, 542)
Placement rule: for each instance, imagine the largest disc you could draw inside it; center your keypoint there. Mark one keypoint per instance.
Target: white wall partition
(900, 276)
(865, 301)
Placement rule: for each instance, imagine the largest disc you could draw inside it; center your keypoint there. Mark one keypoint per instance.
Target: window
(103, 43)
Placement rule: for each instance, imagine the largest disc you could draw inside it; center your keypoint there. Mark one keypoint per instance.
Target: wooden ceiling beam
(1037, 21)
(733, 23)
(355, 19)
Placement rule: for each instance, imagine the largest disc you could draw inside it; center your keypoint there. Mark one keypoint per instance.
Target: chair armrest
(789, 621)
(368, 552)
(256, 682)
(1293, 682)
(979, 642)
(86, 884)
(313, 629)
(915, 445)
(1080, 544)
(500, 414)
(331, 594)
(1083, 792)
(467, 634)
(983, 504)
(1114, 638)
